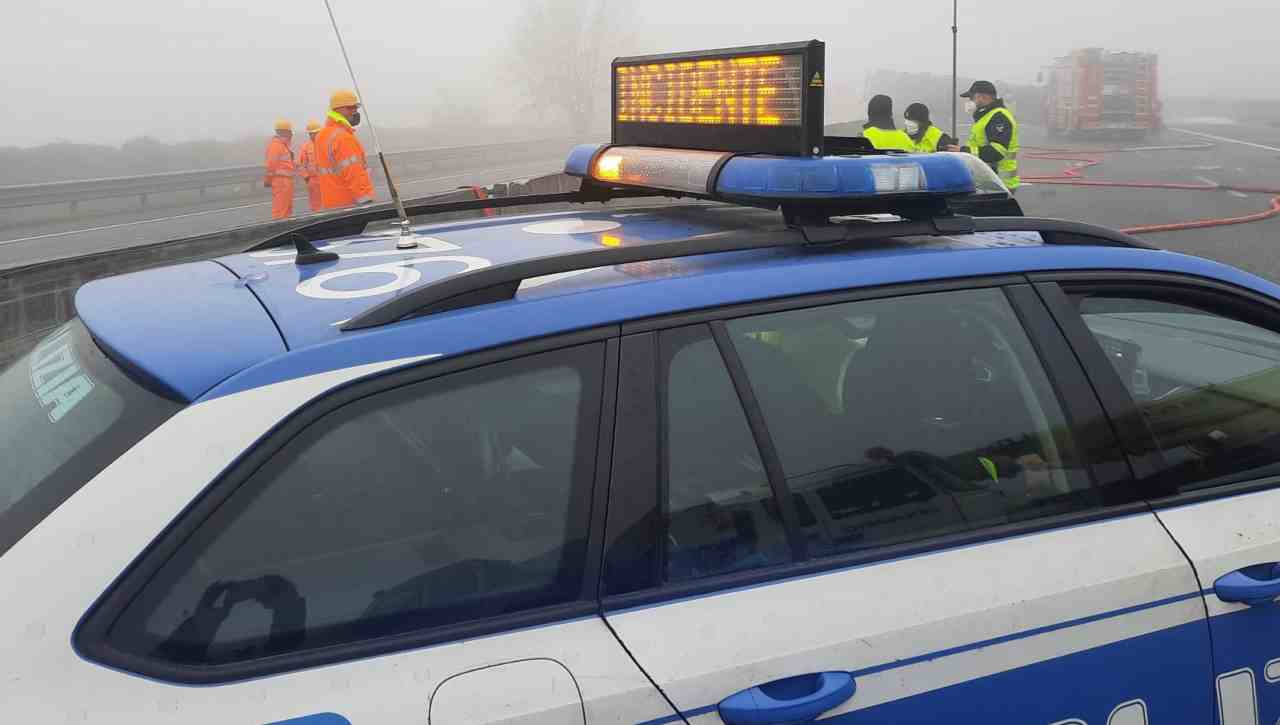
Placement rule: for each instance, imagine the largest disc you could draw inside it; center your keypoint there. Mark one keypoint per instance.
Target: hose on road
(1083, 159)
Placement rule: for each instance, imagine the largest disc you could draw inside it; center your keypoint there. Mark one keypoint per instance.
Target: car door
(1196, 367)
(412, 548)
(889, 507)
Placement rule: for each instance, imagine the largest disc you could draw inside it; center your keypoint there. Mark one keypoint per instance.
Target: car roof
(217, 327)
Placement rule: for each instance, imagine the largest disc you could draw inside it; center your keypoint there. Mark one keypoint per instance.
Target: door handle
(1257, 584)
(792, 700)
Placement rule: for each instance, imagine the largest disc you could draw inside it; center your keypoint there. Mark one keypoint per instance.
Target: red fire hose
(1082, 160)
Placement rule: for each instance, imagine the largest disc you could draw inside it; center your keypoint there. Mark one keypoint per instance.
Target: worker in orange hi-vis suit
(307, 165)
(340, 159)
(280, 171)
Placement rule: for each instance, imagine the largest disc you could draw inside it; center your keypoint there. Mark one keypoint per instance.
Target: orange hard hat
(284, 125)
(343, 97)
(313, 126)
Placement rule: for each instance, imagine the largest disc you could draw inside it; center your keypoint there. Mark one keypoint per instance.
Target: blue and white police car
(866, 460)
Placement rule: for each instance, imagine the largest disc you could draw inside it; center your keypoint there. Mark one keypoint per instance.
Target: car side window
(1208, 384)
(901, 419)
(721, 516)
(449, 500)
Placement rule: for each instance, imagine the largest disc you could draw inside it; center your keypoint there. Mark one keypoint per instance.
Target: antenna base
(406, 240)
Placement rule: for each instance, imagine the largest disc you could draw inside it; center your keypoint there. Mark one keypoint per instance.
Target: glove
(266, 183)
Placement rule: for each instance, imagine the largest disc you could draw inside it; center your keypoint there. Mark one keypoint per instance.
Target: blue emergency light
(759, 177)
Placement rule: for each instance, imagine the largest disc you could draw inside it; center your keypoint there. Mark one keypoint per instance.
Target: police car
(805, 445)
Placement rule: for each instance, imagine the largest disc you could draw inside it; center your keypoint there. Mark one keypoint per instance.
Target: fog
(186, 70)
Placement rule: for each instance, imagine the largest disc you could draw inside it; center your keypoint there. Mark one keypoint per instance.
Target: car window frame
(1067, 378)
(91, 635)
(1211, 295)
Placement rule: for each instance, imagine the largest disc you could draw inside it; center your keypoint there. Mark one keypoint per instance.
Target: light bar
(776, 178)
(985, 181)
(762, 99)
(674, 169)
(842, 177)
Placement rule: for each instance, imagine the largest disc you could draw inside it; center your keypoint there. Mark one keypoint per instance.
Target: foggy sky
(184, 70)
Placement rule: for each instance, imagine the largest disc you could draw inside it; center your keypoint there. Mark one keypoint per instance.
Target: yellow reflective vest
(1008, 166)
(928, 143)
(889, 139)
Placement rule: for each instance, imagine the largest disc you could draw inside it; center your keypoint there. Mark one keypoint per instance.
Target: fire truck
(1095, 90)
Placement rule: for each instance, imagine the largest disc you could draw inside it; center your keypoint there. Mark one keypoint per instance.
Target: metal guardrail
(36, 298)
(401, 162)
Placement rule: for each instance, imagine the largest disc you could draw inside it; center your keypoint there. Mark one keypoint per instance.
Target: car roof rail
(500, 282)
(355, 221)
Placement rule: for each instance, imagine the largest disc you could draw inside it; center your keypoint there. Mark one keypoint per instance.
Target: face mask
(355, 119)
(970, 107)
(913, 127)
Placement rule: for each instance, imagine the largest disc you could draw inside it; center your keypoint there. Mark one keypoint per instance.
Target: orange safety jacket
(279, 160)
(307, 160)
(341, 165)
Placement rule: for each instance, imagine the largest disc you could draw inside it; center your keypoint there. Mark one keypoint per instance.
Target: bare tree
(561, 53)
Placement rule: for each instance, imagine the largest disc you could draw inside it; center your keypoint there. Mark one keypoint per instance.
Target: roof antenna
(406, 240)
(307, 252)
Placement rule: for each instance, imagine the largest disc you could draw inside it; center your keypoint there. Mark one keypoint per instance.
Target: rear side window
(451, 500)
(66, 412)
(1207, 384)
(721, 516)
(901, 419)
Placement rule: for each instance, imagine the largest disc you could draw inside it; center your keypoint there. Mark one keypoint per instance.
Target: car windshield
(66, 412)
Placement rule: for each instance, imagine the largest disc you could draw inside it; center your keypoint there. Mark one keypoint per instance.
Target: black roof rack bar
(1062, 231)
(354, 222)
(500, 282)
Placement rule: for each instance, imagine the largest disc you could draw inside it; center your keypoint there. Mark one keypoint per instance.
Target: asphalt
(1231, 154)
(1243, 155)
(66, 237)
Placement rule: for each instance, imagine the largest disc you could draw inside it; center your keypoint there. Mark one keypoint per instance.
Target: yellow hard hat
(284, 125)
(343, 97)
(313, 126)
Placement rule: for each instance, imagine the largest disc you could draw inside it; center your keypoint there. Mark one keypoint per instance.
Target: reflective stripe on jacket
(341, 165)
(279, 159)
(1000, 152)
(307, 160)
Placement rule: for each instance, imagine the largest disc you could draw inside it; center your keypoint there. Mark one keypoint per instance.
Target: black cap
(986, 87)
(917, 112)
(880, 106)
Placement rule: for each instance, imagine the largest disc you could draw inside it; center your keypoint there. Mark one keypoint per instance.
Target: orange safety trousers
(307, 160)
(279, 177)
(341, 165)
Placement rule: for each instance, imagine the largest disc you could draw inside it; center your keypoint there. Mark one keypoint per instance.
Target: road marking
(206, 212)
(1227, 140)
(121, 225)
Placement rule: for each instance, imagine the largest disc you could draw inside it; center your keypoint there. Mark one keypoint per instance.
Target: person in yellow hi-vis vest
(879, 128)
(994, 137)
(926, 136)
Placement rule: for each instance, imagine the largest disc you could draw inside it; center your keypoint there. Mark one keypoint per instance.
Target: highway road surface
(1237, 155)
(1232, 154)
(70, 236)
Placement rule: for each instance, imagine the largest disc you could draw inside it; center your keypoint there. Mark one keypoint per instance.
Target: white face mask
(913, 127)
(970, 107)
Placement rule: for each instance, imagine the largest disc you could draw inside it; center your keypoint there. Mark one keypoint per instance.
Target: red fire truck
(1095, 90)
